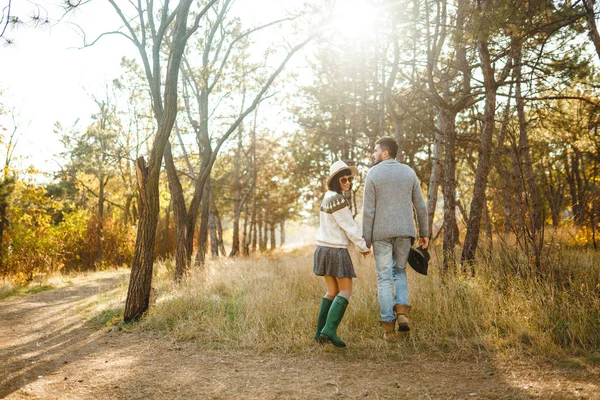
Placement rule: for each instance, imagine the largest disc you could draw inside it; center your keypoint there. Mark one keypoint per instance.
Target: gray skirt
(333, 261)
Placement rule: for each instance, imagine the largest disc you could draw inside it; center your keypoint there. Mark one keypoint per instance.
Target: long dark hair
(334, 183)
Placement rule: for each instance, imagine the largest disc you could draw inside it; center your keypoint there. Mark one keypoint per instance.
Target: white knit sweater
(338, 228)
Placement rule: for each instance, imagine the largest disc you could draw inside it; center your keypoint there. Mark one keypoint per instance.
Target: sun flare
(354, 18)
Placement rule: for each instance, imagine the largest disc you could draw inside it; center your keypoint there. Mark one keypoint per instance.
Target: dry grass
(270, 303)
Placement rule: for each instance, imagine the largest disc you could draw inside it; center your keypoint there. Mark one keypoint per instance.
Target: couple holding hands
(392, 191)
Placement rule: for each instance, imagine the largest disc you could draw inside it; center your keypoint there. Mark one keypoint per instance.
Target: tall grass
(271, 302)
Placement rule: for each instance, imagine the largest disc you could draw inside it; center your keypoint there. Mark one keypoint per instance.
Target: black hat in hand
(418, 259)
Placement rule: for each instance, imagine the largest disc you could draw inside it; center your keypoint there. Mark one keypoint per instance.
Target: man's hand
(424, 242)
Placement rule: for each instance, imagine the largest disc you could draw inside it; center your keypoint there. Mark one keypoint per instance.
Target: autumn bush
(79, 236)
(271, 302)
(35, 244)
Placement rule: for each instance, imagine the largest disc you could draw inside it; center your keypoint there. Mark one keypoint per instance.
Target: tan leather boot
(389, 330)
(401, 312)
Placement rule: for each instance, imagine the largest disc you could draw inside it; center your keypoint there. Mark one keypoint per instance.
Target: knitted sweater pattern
(337, 227)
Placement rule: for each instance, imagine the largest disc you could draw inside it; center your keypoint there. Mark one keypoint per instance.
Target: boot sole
(327, 339)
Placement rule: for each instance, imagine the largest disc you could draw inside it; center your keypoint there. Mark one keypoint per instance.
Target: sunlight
(354, 18)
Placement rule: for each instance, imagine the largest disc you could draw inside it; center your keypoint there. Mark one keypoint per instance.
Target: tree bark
(502, 170)
(450, 235)
(590, 17)
(436, 174)
(246, 240)
(272, 236)
(166, 230)
(553, 191)
(180, 215)
(212, 226)
(237, 199)
(203, 231)
(483, 162)
(138, 294)
(219, 232)
(529, 181)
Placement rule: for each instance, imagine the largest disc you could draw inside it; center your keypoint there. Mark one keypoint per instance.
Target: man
(392, 190)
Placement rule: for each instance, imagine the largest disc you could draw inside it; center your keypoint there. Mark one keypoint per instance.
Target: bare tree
(150, 28)
(218, 45)
(449, 84)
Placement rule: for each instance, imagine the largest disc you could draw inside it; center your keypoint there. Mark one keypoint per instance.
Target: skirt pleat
(333, 261)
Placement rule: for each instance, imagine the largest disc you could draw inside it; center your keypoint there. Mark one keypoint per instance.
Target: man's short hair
(389, 144)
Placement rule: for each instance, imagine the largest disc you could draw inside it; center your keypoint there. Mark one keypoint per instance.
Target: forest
(218, 135)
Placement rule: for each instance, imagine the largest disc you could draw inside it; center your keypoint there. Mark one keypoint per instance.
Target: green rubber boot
(336, 313)
(322, 318)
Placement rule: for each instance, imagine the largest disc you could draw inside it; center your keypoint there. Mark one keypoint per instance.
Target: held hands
(424, 242)
(365, 253)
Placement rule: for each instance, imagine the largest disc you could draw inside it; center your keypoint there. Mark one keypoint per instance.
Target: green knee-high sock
(322, 317)
(336, 313)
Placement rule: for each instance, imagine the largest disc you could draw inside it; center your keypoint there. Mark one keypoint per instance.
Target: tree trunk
(282, 233)
(180, 215)
(483, 162)
(100, 223)
(450, 236)
(261, 232)
(525, 152)
(436, 174)
(218, 223)
(246, 239)
(166, 230)
(272, 236)
(203, 230)
(572, 172)
(399, 136)
(127, 209)
(212, 226)
(138, 294)
(502, 170)
(590, 17)
(140, 281)
(253, 222)
(488, 227)
(255, 226)
(554, 194)
(266, 218)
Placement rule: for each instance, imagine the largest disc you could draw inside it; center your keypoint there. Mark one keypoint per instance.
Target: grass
(9, 290)
(105, 308)
(270, 303)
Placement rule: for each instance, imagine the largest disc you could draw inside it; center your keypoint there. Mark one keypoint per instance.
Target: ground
(48, 351)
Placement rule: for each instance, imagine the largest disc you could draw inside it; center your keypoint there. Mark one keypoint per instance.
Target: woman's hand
(365, 253)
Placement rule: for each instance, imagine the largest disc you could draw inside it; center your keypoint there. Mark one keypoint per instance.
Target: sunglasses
(345, 179)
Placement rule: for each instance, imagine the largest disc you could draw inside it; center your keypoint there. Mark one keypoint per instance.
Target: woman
(331, 259)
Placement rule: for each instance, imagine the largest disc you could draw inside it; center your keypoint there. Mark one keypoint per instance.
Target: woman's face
(346, 182)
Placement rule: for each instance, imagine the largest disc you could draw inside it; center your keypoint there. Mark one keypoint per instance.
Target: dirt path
(48, 352)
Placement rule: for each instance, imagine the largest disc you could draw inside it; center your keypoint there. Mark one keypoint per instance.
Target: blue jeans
(390, 261)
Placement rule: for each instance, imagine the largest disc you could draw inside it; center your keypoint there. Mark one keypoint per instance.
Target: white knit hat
(339, 166)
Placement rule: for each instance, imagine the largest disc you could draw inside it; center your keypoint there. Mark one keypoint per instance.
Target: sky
(47, 77)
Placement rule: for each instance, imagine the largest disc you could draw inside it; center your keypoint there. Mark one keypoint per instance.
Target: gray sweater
(391, 191)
